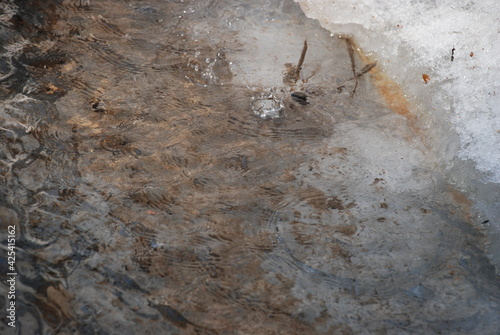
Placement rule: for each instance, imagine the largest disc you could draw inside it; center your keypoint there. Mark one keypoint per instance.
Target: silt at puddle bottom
(175, 167)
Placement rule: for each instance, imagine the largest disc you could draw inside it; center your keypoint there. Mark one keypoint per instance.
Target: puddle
(169, 170)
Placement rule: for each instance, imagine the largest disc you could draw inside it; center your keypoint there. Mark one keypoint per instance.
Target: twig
(350, 49)
(364, 70)
(301, 61)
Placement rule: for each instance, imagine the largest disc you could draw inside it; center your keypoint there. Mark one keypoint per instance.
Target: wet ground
(174, 167)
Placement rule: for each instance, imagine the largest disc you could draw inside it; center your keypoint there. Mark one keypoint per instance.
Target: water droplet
(268, 105)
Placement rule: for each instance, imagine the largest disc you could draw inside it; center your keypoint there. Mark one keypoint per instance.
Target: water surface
(170, 170)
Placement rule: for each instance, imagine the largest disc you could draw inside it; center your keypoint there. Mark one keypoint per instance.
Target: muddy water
(170, 170)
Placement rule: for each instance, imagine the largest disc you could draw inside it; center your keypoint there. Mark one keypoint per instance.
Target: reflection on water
(171, 171)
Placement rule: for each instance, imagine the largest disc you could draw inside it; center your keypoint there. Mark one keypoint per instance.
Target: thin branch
(350, 49)
(301, 61)
(364, 70)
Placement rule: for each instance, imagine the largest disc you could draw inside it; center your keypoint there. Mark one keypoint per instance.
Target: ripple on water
(171, 169)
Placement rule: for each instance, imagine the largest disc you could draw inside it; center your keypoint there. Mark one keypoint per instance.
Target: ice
(444, 55)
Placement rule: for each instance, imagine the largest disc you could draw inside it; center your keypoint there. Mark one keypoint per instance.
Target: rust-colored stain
(465, 204)
(459, 197)
(391, 92)
(426, 78)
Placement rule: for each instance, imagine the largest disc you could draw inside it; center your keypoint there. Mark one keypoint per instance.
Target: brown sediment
(231, 222)
(460, 198)
(35, 19)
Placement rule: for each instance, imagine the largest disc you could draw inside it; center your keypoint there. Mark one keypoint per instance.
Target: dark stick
(365, 69)
(301, 60)
(350, 49)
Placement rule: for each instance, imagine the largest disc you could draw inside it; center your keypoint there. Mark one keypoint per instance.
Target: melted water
(171, 171)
